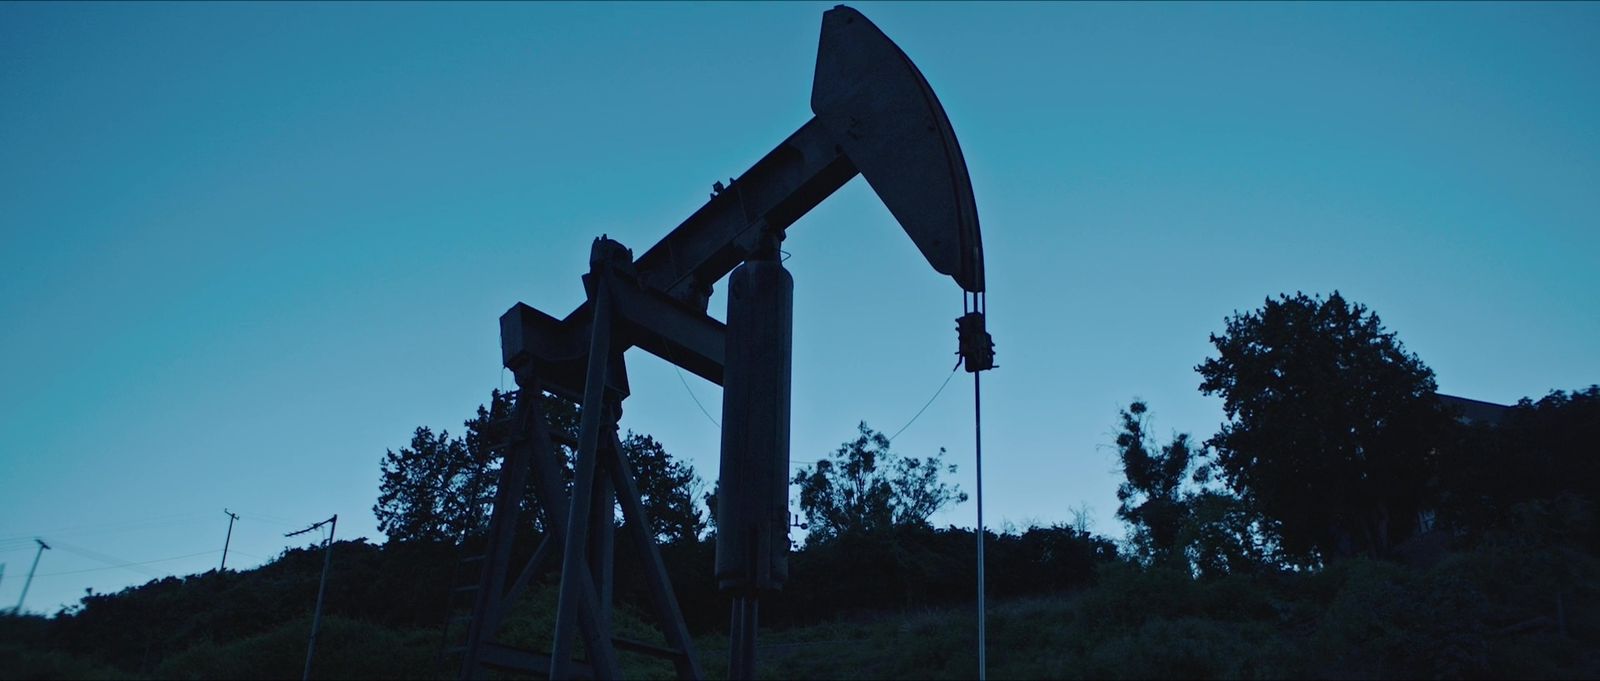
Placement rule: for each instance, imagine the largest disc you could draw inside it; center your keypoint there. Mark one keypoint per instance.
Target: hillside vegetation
(1520, 602)
(1345, 522)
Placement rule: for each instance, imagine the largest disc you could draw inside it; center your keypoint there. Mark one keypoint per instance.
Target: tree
(1222, 535)
(866, 487)
(442, 488)
(1537, 451)
(668, 489)
(1151, 495)
(710, 500)
(1332, 425)
(1175, 516)
(490, 429)
(428, 491)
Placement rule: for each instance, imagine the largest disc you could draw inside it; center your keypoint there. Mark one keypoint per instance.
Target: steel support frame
(875, 115)
(581, 524)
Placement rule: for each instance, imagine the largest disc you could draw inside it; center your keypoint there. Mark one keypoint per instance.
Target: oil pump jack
(874, 115)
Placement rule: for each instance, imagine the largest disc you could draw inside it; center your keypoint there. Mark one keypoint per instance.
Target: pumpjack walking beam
(875, 115)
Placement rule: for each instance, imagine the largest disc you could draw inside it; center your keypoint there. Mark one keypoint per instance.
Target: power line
(269, 518)
(131, 565)
(113, 561)
(114, 524)
(101, 528)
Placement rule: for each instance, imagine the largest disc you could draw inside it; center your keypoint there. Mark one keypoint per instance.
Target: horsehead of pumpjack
(875, 115)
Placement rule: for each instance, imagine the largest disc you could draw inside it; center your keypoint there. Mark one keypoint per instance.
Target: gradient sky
(245, 248)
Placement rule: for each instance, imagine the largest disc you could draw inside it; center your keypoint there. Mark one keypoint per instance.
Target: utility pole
(327, 559)
(42, 548)
(231, 517)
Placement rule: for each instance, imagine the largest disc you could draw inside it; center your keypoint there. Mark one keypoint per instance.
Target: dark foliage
(432, 490)
(1332, 425)
(910, 567)
(865, 487)
(398, 592)
(1151, 495)
(1333, 439)
(1222, 535)
(442, 488)
(1176, 516)
(1540, 450)
(138, 628)
(668, 488)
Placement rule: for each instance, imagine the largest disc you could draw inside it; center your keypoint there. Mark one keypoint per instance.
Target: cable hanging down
(927, 404)
(697, 403)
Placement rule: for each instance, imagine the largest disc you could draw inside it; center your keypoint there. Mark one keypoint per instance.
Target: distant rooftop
(1476, 411)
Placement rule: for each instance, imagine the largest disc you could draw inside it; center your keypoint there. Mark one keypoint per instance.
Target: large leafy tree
(441, 488)
(1332, 424)
(427, 492)
(866, 487)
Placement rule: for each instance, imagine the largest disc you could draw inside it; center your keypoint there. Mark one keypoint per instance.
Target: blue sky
(246, 248)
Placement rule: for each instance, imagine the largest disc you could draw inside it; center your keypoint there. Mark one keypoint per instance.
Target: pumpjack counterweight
(875, 115)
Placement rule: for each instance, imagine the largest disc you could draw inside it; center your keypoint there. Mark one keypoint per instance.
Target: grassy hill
(1520, 603)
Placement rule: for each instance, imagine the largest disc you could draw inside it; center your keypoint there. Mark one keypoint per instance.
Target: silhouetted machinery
(875, 115)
